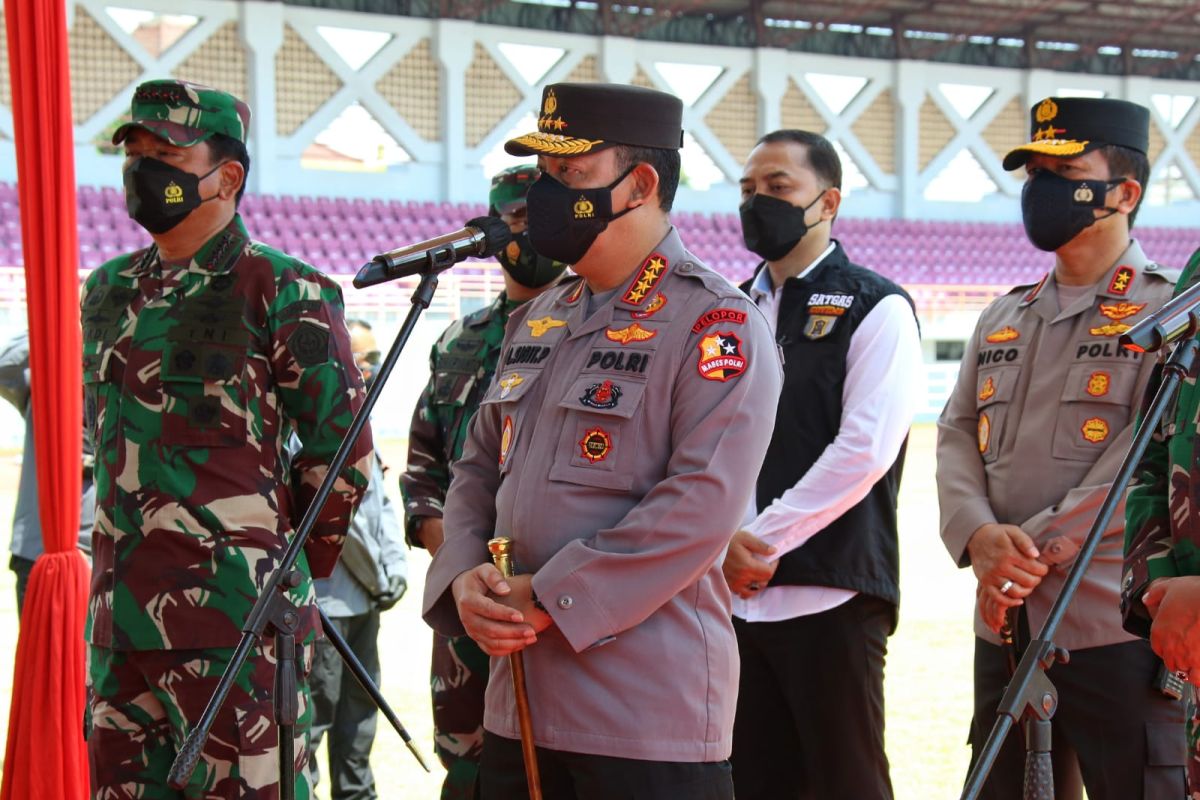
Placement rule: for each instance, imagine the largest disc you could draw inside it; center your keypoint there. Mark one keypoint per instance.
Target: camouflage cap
(185, 113)
(509, 187)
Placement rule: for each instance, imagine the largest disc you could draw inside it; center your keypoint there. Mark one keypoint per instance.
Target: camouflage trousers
(458, 679)
(142, 703)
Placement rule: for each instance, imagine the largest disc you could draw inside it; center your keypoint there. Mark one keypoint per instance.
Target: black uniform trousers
(809, 722)
(1128, 737)
(582, 776)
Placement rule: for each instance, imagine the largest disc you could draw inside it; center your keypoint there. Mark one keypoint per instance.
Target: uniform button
(686, 266)
(1128, 582)
(566, 601)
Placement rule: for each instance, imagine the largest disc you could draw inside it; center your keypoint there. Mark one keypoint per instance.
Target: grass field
(928, 670)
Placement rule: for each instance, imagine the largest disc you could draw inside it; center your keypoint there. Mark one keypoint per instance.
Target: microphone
(481, 237)
(1180, 317)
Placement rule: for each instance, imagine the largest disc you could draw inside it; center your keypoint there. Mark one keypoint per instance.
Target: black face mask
(563, 222)
(526, 266)
(1056, 209)
(772, 227)
(159, 196)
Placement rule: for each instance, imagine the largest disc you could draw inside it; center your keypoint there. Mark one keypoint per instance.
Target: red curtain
(45, 757)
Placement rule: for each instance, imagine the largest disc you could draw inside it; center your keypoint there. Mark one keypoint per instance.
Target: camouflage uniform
(1162, 523)
(195, 374)
(462, 364)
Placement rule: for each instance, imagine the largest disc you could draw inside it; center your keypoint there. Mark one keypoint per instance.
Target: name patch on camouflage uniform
(1095, 430)
(984, 432)
(506, 437)
(1121, 280)
(1097, 385)
(595, 445)
(721, 357)
(653, 308)
(601, 395)
(632, 333)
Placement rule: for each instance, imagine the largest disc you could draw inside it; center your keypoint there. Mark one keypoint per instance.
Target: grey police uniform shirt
(1036, 428)
(619, 450)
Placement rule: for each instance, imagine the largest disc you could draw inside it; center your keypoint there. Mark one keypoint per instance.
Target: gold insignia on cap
(1048, 134)
(551, 144)
(1084, 194)
(551, 104)
(584, 208)
(1047, 111)
(173, 194)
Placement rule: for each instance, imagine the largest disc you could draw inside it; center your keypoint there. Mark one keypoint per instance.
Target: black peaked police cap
(579, 118)
(1071, 126)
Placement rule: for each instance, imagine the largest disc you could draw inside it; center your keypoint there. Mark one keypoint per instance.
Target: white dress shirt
(881, 394)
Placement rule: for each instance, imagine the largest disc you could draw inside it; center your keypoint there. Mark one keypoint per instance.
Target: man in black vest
(814, 569)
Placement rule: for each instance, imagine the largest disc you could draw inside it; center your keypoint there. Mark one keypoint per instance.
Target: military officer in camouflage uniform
(1160, 590)
(202, 353)
(618, 446)
(462, 365)
(1030, 442)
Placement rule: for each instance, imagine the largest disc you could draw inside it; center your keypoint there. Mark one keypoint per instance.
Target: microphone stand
(1030, 695)
(274, 609)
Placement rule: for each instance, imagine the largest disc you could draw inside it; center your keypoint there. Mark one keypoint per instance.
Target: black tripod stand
(1030, 696)
(273, 608)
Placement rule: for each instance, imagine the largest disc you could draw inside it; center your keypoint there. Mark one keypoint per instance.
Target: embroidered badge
(730, 315)
(1120, 311)
(538, 327)
(1006, 334)
(830, 305)
(1111, 329)
(988, 390)
(595, 445)
(1097, 385)
(1121, 280)
(653, 308)
(984, 433)
(601, 395)
(618, 361)
(1095, 430)
(633, 333)
(309, 344)
(819, 326)
(646, 279)
(575, 293)
(721, 357)
(508, 383)
(506, 437)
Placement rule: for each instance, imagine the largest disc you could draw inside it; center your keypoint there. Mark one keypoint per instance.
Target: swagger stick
(501, 550)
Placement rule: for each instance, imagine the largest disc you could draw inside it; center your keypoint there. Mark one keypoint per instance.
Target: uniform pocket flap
(1166, 744)
(995, 385)
(1101, 383)
(598, 394)
(511, 385)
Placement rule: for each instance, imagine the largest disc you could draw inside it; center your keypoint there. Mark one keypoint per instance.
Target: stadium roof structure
(1153, 38)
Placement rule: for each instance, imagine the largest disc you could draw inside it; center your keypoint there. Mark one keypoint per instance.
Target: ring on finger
(753, 586)
(1004, 587)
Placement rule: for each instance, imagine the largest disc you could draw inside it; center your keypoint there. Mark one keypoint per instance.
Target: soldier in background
(1028, 446)
(201, 354)
(462, 365)
(370, 577)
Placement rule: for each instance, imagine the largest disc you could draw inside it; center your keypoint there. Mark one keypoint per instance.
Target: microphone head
(496, 234)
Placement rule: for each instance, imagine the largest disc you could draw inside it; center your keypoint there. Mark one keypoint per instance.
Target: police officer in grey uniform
(1029, 443)
(617, 446)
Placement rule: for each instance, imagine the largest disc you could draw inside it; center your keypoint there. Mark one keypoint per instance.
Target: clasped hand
(498, 612)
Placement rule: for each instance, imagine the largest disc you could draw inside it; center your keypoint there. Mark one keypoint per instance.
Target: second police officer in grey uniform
(617, 447)
(1031, 439)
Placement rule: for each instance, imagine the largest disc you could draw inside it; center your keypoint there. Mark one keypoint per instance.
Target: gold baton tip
(500, 546)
